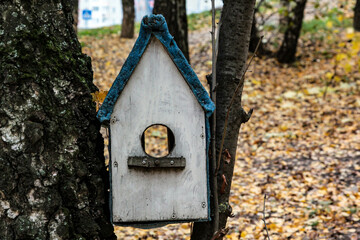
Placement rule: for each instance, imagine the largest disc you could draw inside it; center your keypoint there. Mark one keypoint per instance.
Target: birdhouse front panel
(156, 88)
(157, 93)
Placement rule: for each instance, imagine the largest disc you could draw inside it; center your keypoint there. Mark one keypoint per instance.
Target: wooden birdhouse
(156, 88)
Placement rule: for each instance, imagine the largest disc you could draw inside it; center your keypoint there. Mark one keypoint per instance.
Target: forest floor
(301, 147)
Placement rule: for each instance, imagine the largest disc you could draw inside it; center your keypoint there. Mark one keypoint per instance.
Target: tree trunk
(234, 37)
(283, 18)
(127, 26)
(287, 51)
(75, 13)
(174, 12)
(53, 182)
(357, 16)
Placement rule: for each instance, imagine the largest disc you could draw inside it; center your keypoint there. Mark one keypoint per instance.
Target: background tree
(255, 34)
(357, 16)
(53, 181)
(174, 12)
(234, 36)
(127, 26)
(284, 12)
(294, 19)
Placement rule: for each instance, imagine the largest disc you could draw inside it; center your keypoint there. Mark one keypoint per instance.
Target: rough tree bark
(127, 26)
(75, 13)
(174, 12)
(234, 37)
(53, 181)
(357, 16)
(287, 51)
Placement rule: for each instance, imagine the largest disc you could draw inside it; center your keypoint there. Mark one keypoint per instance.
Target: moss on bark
(52, 176)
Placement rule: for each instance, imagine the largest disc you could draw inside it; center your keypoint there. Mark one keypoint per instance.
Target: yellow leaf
(337, 79)
(329, 24)
(342, 44)
(99, 96)
(93, 97)
(102, 95)
(323, 188)
(347, 67)
(329, 75)
(185, 226)
(354, 52)
(349, 35)
(272, 226)
(290, 150)
(256, 82)
(340, 18)
(340, 56)
(356, 45)
(243, 234)
(283, 128)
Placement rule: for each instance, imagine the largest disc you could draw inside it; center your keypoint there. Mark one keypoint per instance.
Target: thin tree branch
(231, 103)
(213, 146)
(217, 39)
(268, 236)
(265, 19)
(258, 6)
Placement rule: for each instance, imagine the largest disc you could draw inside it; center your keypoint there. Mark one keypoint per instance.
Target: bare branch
(213, 97)
(258, 6)
(268, 236)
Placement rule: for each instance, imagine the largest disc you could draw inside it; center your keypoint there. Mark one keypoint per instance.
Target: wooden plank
(150, 162)
(156, 93)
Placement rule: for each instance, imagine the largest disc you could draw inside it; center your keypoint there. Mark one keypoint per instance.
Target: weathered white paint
(157, 93)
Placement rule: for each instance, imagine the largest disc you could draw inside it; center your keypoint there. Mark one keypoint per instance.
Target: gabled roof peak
(154, 25)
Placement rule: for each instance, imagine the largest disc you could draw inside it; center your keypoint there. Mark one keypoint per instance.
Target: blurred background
(108, 12)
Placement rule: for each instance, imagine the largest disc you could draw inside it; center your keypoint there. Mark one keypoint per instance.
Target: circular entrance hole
(157, 140)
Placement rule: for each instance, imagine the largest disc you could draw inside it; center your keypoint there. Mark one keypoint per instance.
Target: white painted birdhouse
(157, 90)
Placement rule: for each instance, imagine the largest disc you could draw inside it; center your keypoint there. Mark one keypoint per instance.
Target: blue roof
(154, 25)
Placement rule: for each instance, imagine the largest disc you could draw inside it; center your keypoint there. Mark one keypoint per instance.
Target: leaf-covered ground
(301, 147)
